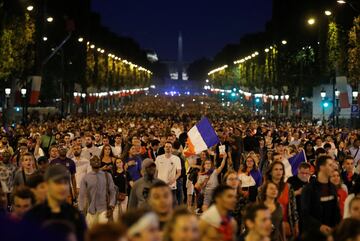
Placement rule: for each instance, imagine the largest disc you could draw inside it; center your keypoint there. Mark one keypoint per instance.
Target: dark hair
(158, 184)
(155, 142)
(168, 142)
(320, 151)
(348, 229)
(35, 180)
(262, 193)
(268, 176)
(251, 211)
(348, 157)
(321, 161)
(327, 145)
(176, 145)
(220, 190)
(102, 152)
(58, 230)
(105, 232)
(24, 193)
(304, 165)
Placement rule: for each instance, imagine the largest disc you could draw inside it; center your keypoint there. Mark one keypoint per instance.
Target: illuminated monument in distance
(177, 69)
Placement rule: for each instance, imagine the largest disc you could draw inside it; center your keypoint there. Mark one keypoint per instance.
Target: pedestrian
(123, 182)
(257, 219)
(23, 201)
(183, 226)
(98, 194)
(27, 169)
(318, 198)
(139, 193)
(55, 207)
(168, 168)
(216, 223)
(269, 197)
(161, 202)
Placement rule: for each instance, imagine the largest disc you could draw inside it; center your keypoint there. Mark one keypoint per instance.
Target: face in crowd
(161, 200)
(186, 228)
(262, 224)
(58, 190)
(168, 148)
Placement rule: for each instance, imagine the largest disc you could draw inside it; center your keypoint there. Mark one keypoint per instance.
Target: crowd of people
(128, 176)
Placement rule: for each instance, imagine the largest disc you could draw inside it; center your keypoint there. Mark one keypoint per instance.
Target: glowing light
(50, 19)
(328, 13)
(80, 39)
(311, 21)
(284, 42)
(30, 8)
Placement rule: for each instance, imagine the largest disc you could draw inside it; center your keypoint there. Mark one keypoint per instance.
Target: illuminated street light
(92, 46)
(23, 92)
(45, 39)
(341, 1)
(30, 8)
(284, 42)
(50, 19)
(80, 39)
(311, 21)
(7, 92)
(337, 93)
(328, 12)
(267, 50)
(323, 93)
(355, 94)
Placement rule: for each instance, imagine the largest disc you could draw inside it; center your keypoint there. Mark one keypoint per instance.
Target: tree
(354, 53)
(198, 69)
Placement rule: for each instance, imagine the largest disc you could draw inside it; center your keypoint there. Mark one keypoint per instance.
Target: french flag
(201, 137)
(291, 165)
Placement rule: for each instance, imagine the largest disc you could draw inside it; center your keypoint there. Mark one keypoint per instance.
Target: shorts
(189, 187)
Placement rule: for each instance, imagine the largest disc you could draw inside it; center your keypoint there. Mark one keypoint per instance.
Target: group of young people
(129, 177)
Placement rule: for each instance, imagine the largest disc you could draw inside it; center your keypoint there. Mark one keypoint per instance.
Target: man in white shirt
(82, 165)
(168, 167)
(90, 149)
(117, 149)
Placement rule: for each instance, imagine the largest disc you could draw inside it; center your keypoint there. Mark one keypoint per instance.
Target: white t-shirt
(166, 168)
(82, 167)
(246, 180)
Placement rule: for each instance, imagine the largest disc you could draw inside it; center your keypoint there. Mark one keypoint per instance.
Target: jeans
(179, 191)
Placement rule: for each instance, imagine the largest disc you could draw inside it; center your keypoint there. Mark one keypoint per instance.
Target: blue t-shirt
(67, 162)
(135, 171)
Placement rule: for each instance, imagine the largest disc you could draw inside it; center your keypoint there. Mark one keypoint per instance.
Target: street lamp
(323, 95)
(45, 38)
(80, 39)
(311, 21)
(341, 1)
(30, 8)
(50, 19)
(284, 42)
(328, 12)
(337, 96)
(23, 95)
(355, 94)
(7, 92)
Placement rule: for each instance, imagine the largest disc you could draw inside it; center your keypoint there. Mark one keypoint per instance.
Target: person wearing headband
(141, 225)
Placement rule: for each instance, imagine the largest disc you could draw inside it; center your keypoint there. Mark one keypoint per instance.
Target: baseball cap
(147, 163)
(56, 173)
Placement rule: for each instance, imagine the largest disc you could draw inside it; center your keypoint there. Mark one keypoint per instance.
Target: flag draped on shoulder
(201, 137)
(296, 160)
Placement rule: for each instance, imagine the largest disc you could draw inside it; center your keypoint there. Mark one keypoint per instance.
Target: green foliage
(333, 46)
(15, 39)
(354, 53)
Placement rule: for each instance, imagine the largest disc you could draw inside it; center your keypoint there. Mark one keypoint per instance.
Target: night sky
(206, 25)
